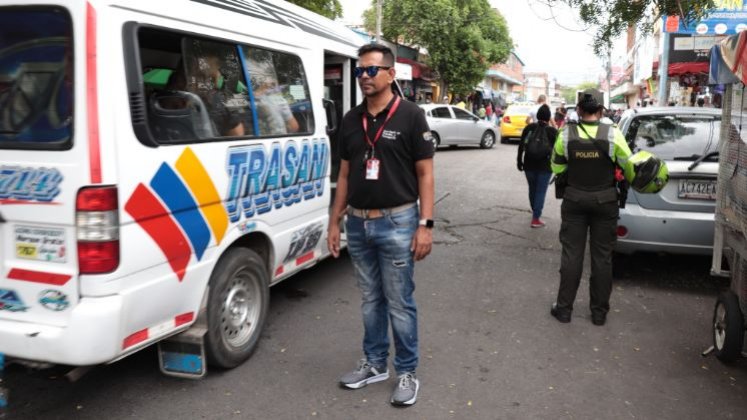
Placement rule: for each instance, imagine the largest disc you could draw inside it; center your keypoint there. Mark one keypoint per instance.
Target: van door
(339, 87)
(44, 160)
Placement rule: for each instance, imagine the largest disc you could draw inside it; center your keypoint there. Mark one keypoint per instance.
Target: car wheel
(488, 140)
(728, 327)
(237, 307)
(436, 139)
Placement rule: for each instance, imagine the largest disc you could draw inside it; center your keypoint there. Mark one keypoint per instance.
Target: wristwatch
(426, 222)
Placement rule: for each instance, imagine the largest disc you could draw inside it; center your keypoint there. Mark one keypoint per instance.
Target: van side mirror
(331, 111)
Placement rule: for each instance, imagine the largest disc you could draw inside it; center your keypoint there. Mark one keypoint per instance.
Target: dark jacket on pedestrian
(530, 163)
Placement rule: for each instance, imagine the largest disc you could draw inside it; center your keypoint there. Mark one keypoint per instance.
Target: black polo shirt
(405, 140)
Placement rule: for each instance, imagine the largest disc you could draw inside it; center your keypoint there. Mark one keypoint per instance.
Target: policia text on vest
(598, 161)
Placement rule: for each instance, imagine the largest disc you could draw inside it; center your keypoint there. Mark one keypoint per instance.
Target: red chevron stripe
(153, 217)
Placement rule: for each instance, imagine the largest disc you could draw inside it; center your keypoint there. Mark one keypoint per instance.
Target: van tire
(728, 327)
(237, 307)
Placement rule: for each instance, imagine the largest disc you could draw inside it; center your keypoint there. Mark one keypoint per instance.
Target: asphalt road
(489, 348)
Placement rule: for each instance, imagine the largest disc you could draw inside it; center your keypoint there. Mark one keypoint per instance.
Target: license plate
(697, 189)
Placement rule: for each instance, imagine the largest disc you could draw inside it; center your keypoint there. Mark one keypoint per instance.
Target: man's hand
(333, 238)
(421, 243)
(519, 165)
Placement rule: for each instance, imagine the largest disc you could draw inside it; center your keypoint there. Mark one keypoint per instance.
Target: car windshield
(675, 137)
(36, 77)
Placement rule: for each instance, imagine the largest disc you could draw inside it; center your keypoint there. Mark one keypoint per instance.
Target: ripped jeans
(384, 266)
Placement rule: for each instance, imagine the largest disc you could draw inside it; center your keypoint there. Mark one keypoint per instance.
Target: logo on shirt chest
(390, 134)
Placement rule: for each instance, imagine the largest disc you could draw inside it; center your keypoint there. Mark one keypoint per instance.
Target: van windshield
(36, 78)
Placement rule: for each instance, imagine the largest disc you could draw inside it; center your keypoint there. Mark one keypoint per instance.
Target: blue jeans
(538, 182)
(384, 266)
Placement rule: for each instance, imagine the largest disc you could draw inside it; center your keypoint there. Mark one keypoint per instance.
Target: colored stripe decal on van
(177, 198)
(94, 151)
(150, 214)
(39, 277)
(198, 181)
(157, 330)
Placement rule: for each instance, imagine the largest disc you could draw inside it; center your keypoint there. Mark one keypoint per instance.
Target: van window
(281, 94)
(36, 78)
(196, 89)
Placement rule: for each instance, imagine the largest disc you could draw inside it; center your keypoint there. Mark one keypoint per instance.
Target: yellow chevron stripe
(197, 179)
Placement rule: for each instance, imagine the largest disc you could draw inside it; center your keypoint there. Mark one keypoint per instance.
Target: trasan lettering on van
(260, 180)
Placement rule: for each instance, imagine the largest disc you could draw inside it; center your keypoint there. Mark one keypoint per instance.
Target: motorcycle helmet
(650, 174)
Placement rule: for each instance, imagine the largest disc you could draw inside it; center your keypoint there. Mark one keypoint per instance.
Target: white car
(452, 126)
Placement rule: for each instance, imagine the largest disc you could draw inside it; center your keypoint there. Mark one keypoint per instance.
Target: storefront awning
(678, 69)
(503, 76)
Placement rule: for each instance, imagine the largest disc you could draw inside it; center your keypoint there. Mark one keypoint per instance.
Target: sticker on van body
(54, 300)
(10, 301)
(303, 241)
(41, 244)
(25, 185)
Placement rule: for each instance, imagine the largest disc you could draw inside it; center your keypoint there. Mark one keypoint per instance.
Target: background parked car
(514, 120)
(454, 126)
(679, 219)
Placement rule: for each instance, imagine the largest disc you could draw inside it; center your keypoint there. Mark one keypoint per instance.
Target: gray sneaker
(406, 391)
(363, 375)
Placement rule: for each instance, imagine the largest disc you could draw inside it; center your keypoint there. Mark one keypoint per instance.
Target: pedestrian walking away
(560, 114)
(532, 116)
(587, 153)
(535, 150)
(386, 169)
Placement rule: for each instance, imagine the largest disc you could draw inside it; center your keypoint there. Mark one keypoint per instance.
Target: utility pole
(377, 37)
(609, 77)
(664, 70)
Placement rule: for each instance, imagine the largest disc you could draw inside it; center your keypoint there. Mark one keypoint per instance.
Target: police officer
(585, 151)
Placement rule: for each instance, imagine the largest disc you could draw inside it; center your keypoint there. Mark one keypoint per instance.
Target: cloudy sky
(559, 46)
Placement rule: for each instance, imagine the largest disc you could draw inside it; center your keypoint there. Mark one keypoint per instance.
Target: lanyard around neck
(392, 110)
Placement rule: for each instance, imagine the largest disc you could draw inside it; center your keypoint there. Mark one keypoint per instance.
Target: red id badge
(372, 169)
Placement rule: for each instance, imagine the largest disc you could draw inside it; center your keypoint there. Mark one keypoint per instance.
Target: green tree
(462, 37)
(613, 17)
(329, 8)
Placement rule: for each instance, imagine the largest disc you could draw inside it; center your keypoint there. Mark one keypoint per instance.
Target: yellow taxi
(514, 120)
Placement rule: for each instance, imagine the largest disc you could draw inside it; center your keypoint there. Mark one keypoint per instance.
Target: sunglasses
(371, 71)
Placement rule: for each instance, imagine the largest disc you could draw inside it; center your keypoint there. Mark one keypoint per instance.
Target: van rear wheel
(237, 307)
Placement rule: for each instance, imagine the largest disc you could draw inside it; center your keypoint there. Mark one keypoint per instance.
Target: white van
(162, 163)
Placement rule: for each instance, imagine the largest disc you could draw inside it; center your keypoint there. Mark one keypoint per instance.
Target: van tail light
(622, 231)
(97, 229)
(507, 119)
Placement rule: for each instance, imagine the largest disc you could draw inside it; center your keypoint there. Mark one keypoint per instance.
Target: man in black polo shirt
(387, 165)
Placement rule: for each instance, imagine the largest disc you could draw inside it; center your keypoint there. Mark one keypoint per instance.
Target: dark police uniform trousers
(589, 208)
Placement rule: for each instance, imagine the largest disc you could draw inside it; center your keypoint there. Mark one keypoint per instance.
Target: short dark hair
(589, 105)
(383, 49)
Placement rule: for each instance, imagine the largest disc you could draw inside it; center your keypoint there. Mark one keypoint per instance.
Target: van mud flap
(183, 355)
